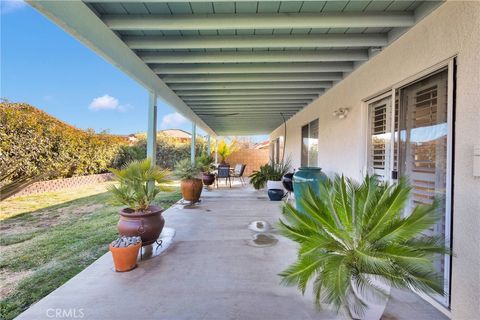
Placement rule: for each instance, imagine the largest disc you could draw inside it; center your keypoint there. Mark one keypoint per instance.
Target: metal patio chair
(238, 173)
(223, 171)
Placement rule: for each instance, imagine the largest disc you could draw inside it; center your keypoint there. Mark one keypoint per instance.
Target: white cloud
(105, 102)
(7, 6)
(172, 121)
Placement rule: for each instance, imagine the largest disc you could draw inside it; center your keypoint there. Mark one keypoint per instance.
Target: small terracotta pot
(148, 224)
(208, 179)
(191, 189)
(125, 259)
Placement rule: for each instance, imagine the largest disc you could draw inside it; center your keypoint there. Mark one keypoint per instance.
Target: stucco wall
(452, 29)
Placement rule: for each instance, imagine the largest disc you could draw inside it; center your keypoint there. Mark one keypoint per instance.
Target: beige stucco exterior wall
(452, 29)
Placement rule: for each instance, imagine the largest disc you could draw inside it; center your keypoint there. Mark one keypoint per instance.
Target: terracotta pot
(147, 224)
(125, 259)
(208, 179)
(191, 189)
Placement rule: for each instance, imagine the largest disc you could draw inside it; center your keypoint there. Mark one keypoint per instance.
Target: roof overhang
(236, 67)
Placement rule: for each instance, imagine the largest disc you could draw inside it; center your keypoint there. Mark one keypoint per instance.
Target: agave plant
(135, 189)
(351, 232)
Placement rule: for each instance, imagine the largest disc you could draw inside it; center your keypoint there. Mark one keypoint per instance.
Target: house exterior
(177, 134)
(390, 88)
(440, 54)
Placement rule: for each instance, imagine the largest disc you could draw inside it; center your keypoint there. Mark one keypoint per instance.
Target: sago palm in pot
(355, 242)
(136, 189)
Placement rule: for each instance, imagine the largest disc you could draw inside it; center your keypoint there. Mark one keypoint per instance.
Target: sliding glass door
(413, 139)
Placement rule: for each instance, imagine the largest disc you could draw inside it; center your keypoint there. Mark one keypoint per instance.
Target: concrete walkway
(211, 271)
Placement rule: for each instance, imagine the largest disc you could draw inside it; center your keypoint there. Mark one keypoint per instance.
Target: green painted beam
(251, 97)
(257, 41)
(258, 21)
(186, 93)
(251, 101)
(255, 56)
(237, 102)
(254, 77)
(251, 85)
(218, 68)
(247, 110)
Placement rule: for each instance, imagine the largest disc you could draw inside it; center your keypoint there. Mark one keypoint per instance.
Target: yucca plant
(134, 188)
(352, 232)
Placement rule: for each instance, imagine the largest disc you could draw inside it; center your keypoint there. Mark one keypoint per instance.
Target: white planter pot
(274, 185)
(376, 302)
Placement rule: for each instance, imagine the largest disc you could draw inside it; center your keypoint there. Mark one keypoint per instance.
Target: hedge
(169, 151)
(33, 143)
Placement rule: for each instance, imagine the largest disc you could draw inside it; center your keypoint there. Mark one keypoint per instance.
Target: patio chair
(238, 173)
(223, 171)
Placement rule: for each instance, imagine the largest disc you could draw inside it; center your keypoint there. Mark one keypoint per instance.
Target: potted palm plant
(190, 184)
(355, 243)
(136, 189)
(205, 162)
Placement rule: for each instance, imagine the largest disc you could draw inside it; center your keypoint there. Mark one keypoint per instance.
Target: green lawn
(47, 239)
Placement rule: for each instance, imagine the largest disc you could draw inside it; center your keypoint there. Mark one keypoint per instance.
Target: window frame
(449, 65)
(308, 125)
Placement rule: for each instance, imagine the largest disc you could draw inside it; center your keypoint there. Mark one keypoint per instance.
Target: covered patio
(294, 70)
(212, 270)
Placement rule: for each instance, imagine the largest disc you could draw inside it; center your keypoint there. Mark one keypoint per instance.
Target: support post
(152, 131)
(216, 150)
(209, 151)
(192, 146)
(152, 128)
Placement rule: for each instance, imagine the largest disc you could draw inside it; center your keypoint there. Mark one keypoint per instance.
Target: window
(421, 130)
(310, 144)
(275, 150)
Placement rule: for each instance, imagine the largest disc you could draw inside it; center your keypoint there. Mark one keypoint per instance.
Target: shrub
(127, 154)
(35, 144)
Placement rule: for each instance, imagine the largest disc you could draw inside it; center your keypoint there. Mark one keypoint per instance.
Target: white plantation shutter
(423, 149)
(419, 150)
(380, 133)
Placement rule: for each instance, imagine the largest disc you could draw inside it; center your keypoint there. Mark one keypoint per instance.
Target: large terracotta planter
(208, 179)
(147, 224)
(125, 259)
(191, 189)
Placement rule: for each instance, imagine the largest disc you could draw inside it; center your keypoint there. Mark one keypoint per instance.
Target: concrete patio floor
(211, 271)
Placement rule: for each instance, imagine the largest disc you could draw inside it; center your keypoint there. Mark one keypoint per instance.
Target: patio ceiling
(237, 67)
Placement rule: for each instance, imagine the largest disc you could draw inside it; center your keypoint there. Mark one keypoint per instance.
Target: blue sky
(44, 66)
